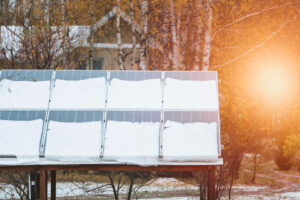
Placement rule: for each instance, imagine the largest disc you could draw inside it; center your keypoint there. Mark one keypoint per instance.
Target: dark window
(82, 65)
(98, 64)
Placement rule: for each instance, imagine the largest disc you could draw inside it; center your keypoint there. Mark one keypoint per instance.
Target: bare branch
(254, 48)
(254, 14)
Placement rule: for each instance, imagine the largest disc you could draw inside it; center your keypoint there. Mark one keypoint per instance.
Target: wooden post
(43, 184)
(211, 194)
(53, 185)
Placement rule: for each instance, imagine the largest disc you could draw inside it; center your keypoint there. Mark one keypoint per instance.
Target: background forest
(253, 44)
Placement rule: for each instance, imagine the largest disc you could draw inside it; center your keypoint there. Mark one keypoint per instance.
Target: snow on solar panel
(20, 133)
(189, 95)
(132, 141)
(20, 138)
(73, 140)
(74, 135)
(144, 94)
(87, 94)
(190, 141)
(24, 94)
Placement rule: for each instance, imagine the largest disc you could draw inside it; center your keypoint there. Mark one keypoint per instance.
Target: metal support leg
(53, 185)
(211, 194)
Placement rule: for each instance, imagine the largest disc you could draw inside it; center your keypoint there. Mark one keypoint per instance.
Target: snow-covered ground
(167, 185)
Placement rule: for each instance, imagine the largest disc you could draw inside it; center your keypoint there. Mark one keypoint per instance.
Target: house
(100, 46)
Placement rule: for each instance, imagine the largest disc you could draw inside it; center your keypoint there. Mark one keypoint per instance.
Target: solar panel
(74, 134)
(139, 117)
(20, 133)
(79, 90)
(134, 90)
(25, 89)
(132, 136)
(195, 132)
(190, 91)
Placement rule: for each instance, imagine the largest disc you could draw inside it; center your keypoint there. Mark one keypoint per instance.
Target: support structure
(108, 167)
(43, 184)
(53, 185)
(211, 193)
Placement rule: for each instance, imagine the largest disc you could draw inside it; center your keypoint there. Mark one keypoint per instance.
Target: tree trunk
(133, 34)
(254, 168)
(207, 36)
(175, 49)
(198, 32)
(143, 45)
(119, 39)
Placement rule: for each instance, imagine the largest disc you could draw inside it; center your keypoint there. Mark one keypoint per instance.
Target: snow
(190, 141)
(73, 140)
(20, 138)
(146, 94)
(87, 94)
(183, 94)
(132, 142)
(24, 94)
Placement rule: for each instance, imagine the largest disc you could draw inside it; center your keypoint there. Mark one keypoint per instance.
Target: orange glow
(274, 81)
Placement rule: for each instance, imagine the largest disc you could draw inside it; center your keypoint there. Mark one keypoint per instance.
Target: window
(82, 65)
(98, 64)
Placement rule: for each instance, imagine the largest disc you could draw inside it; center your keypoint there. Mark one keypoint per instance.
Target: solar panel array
(107, 115)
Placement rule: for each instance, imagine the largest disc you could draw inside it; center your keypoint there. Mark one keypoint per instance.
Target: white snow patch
(20, 138)
(146, 94)
(73, 140)
(89, 93)
(24, 94)
(190, 141)
(183, 94)
(132, 142)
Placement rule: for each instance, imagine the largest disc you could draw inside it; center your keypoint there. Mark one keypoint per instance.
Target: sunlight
(274, 81)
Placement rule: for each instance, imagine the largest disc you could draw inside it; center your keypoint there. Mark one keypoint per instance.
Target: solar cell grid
(26, 75)
(22, 115)
(75, 75)
(135, 75)
(191, 75)
(75, 116)
(134, 116)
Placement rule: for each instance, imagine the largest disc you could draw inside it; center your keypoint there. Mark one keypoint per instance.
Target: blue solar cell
(27, 75)
(190, 117)
(75, 116)
(22, 115)
(192, 75)
(79, 74)
(135, 75)
(134, 116)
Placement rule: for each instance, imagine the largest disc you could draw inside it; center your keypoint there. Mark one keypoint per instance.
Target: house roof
(145, 118)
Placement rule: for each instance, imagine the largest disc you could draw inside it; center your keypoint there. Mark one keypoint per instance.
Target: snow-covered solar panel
(20, 133)
(79, 90)
(25, 89)
(74, 135)
(136, 117)
(134, 90)
(132, 137)
(191, 91)
(190, 136)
